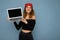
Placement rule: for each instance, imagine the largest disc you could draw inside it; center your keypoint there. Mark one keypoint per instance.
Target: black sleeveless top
(29, 26)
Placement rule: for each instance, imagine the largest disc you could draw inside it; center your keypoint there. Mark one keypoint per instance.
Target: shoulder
(33, 17)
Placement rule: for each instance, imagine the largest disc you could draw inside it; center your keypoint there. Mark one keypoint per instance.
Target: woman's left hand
(24, 20)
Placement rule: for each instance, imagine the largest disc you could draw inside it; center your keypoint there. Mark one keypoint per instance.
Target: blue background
(47, 19)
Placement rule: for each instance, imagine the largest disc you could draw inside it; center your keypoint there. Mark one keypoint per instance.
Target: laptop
(14, 13)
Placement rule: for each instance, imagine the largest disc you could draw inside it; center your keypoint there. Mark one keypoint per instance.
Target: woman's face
(28, 9)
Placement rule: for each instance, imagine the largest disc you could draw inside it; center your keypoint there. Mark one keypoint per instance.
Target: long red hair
(31, 13)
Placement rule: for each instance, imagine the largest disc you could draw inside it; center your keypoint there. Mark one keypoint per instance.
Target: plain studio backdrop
(47, 19)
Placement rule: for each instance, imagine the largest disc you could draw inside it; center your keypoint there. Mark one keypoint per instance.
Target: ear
(33, 17)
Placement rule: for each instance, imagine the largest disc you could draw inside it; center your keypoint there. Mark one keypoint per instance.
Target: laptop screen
(14, 13)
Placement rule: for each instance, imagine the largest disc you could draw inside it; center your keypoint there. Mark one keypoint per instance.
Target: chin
(28, 12)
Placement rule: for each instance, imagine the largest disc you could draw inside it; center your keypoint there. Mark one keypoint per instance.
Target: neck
(28, 14)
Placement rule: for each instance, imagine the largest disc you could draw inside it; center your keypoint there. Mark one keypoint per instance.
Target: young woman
(27, 23)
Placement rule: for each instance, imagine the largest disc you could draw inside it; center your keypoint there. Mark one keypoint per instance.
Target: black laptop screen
(14, 13)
